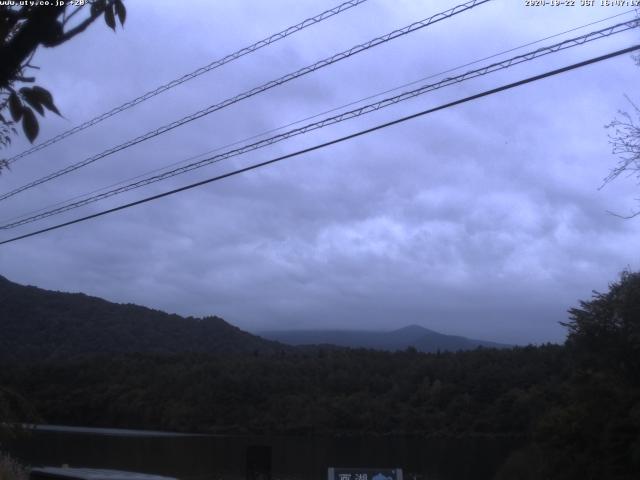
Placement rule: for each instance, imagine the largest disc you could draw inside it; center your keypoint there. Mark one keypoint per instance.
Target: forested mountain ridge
(576, 406)
(416, 336)
(38, 324)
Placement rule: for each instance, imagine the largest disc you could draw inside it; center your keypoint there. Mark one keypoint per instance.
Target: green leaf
(32, 99)
(121, 11)
(45, 98)
(109, 17)
(15, 107)
(30, 124)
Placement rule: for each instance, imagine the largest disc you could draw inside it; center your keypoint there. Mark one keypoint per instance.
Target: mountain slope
(420, 338)
(37, 324)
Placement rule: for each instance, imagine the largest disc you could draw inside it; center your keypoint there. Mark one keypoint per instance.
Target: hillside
(422, 339)
(573, 407)
(37, 324)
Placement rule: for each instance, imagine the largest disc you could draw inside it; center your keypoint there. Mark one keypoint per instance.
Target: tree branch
(38, 28)
(81, 27)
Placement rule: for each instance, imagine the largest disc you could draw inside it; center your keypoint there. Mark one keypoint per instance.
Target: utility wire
(569, 43)
(271, 84)
(347, 115)
(335, 141)
(190, 76)
(282, 127)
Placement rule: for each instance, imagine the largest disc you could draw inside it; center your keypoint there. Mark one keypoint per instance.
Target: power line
(190, 76)
(282, 127)
(271, 84)
(335, 141)
(569, 43)
(339, 118)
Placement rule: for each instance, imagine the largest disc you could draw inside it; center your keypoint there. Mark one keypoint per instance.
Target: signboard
(337, 473)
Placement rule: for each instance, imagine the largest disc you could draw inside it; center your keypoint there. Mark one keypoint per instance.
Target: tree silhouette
(625, 144)
(23, 29)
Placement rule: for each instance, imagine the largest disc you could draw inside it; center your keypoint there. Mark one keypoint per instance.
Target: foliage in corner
(625, 144)
(594, 432)
(604, 332)
(24, 28)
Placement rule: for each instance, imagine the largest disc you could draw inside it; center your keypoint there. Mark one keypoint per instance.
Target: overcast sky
(482, 220)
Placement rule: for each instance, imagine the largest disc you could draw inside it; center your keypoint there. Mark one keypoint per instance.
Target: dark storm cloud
(483, 220)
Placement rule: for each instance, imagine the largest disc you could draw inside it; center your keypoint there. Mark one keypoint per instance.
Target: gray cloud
(482, 220)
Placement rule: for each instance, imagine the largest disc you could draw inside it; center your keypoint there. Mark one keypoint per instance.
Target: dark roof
(94, 474)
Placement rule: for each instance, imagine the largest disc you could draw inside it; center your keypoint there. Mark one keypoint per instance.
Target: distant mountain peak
(416, 336)
(413, 328)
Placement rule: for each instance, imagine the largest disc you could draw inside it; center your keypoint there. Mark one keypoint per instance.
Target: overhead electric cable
(569, 43)
(190, 76)
(271, 84)
(311, 117)
(333, 142)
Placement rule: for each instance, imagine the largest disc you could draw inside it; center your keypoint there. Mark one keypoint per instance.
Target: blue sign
(337, 473)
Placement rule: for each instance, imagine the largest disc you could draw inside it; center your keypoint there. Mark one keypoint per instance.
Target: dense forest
(39, 324)
(323, 391)
(576, 406)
